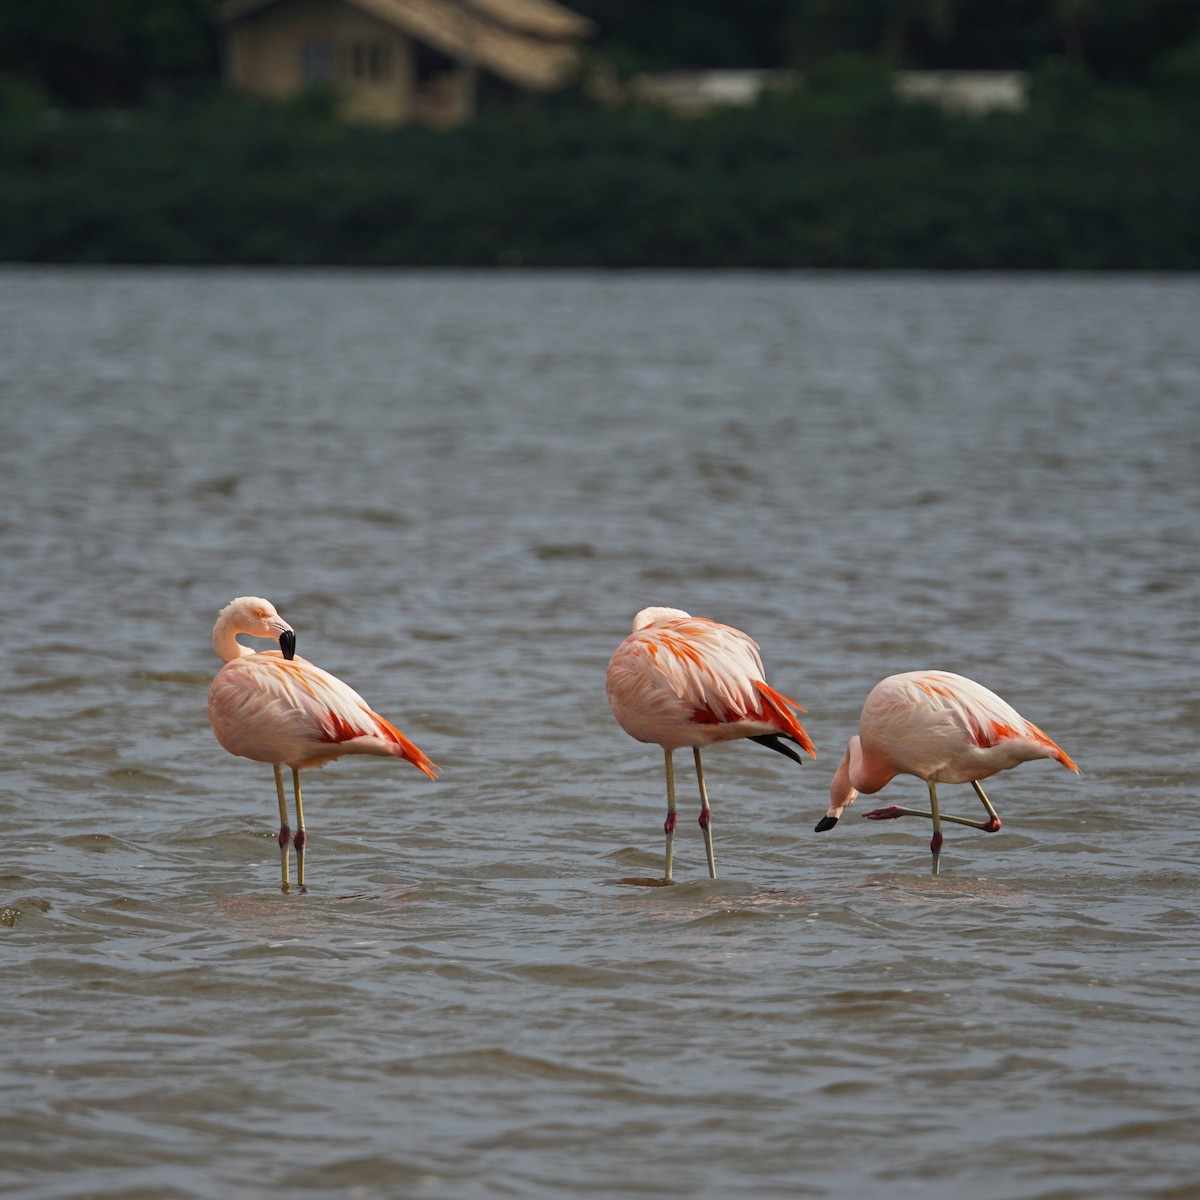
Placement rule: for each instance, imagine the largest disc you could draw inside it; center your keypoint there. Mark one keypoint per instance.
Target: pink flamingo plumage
(274, 707)
(942, 728)
(680, 680)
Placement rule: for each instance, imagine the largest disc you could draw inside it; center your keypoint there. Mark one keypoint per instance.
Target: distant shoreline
(854, 181)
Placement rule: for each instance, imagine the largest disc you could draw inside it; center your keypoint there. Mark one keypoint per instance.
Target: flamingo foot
(825, 823)
(887, 814)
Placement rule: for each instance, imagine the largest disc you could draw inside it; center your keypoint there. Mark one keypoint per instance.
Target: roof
(530, 42)
(541, 17)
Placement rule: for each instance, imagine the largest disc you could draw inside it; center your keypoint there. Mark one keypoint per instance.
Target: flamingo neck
(858, 771)
(225, 642)
(841, 791)
(868, 770)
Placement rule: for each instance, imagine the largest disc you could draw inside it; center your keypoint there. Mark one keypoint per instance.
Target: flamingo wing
(939, 725)
(695, 672)
(990, 721)
(273, 709)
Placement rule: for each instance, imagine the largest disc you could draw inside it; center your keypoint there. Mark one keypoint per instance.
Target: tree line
(847, 177)
(113, 53)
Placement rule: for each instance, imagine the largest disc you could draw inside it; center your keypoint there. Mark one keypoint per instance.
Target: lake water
(459, 488)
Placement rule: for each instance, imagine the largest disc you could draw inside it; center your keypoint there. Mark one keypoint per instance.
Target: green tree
(93, 53)
(1071, 19)
(935, 18)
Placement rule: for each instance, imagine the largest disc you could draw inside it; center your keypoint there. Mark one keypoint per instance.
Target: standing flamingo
(942, 728)
(273, 707)
(680, 680)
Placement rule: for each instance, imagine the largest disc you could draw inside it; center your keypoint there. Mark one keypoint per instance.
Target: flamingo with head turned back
(942, 728)
(274, 707)
(680, 680)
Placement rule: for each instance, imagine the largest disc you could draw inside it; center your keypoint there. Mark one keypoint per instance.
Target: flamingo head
(256, 617)
(649, 616)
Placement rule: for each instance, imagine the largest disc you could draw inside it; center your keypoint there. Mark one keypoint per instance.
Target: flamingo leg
(669, 824)
(895, 810)
(301, 837)
(285, 834)
(994, 824)
(991, 825)
(705, 815)
(935, 843)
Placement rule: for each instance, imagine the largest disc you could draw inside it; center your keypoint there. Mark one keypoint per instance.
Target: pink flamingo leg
(935, 843)
(893, 811)
(705, 815)
(993, 824)
(285, 834)
(301, 838)
(669, 823)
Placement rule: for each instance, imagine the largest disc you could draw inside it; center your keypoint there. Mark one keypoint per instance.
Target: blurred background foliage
(118, 144)
(103, 53)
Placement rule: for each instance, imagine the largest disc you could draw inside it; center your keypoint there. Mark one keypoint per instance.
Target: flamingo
(680, 680)
(942, 728)
(273, 707)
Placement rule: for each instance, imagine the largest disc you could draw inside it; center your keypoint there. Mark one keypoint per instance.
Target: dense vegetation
(155, 164)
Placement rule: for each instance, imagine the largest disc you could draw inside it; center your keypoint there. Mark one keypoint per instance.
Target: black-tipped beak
(287, 643)
(825, 823)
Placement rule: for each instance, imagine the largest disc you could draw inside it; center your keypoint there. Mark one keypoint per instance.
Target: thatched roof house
(392, 61)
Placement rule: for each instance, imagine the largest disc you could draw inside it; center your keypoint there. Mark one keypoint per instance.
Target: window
(370, 60)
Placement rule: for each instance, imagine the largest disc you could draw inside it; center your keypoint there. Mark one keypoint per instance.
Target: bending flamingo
(942, 728)
(273, 707)
(680, 680)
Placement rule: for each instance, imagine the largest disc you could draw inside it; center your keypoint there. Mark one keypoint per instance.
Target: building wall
(971, 92)
(283, 49)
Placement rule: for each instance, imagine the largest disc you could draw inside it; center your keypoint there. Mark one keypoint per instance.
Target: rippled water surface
(459, 489)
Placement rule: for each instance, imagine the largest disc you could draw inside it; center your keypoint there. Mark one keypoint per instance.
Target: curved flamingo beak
(287, 643)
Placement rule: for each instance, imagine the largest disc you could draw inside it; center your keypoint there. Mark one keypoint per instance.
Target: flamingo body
(273, 707)
(942, 728)
(679, 680)
(281, 711)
